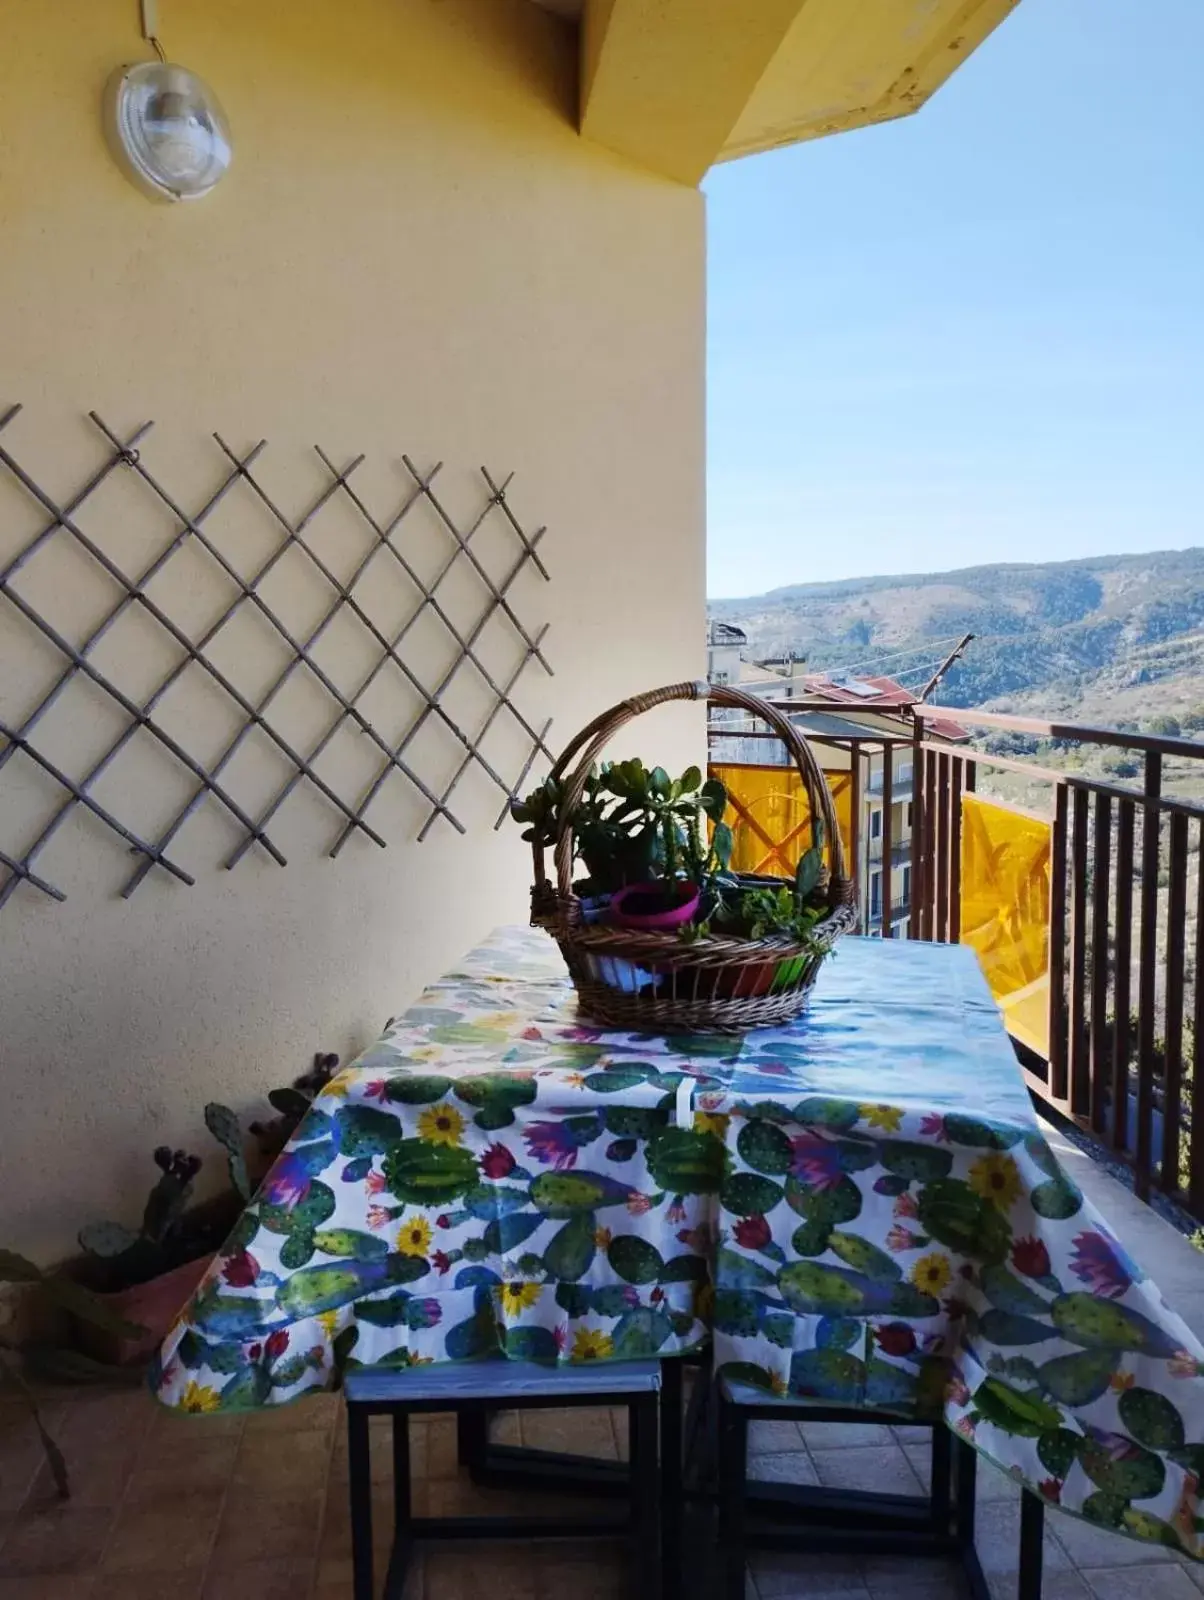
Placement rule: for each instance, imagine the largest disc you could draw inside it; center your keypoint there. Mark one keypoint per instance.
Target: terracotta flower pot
(154, 1306)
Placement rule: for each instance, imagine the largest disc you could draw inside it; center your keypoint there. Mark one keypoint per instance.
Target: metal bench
(467, 1389)
(839, 1521)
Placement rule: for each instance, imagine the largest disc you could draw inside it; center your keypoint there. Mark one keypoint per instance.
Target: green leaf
(722, 844)
(107, 1239)
(15, 1268)
(713, 799)
(806, 878)
(634, 1259)
(89, 1307)
(690, 780)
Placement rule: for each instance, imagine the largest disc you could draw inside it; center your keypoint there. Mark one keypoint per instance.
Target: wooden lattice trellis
(254, 713)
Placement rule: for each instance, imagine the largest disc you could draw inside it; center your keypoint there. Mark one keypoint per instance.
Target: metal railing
(1124, 1002)
(1087, 913)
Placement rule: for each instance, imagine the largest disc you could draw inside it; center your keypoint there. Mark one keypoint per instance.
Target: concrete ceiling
(679, 85)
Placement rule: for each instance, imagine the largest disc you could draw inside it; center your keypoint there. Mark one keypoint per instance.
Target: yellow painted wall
(414, 251)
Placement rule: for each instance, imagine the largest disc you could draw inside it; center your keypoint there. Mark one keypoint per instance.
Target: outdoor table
(859, 1208)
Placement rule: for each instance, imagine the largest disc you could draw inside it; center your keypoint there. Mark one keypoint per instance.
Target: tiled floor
(213, 1508)
(222, 1508)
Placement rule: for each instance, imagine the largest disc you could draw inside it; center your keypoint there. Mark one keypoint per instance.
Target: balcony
(1086, 910)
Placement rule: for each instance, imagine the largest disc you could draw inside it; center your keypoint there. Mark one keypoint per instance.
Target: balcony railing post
(1101, 874)
(919, 811)
(1147, 1020)
(941, 841)
(855, 775)
(1122, 965)
(955, 849)
(1080, 1081)
(888, 838)
(1196, 1161)
(1057, 946)
(1176, 941)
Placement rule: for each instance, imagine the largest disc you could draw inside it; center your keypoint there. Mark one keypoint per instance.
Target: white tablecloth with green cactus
(858, 1208)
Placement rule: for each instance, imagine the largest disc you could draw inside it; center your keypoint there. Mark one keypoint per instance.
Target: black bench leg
(967, 1481)
(940, 1497)
(645, 1497)
(472, 1438)
(1032, 1534)
(359, 1451)
(733, 1469)
(671, 1477)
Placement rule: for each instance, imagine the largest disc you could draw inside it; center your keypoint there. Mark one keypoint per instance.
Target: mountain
(1059, 636)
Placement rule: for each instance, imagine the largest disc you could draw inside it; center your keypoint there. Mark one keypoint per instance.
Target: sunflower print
(932, 1273)
(996, 1177)
(592, 1344)
(519, 1295)
(415, 1237)
(441, 1124)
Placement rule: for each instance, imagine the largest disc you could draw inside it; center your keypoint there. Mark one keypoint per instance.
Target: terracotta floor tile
(163, 1536)
(465, 1574)
(177, 1427)
(307, 1413)
(263, 1580)
(582, 1433)
(57, 1540)
(844, 1435)
(182, 1585)
(104, 1418)
(254, 1528)
(585, 1572)
(183, 1468)
(21, 1454)
(1134, 1583)
(74, 1587)
(782, 1574)
(292, 1466)
(440, 1457)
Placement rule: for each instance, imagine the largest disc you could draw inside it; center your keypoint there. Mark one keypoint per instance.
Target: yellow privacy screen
(1005, 912)
(770, 816)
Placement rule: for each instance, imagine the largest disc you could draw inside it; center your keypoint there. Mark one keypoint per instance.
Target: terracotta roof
(887, 693)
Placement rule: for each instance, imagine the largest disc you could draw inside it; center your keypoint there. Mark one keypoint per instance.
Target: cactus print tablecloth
(859, 1207)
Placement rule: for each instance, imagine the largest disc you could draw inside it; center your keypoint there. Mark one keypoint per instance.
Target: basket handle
(594, 738)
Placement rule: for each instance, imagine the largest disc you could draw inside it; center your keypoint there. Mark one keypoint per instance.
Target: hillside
(1113, 638)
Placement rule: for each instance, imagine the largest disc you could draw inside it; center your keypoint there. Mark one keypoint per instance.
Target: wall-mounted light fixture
(165, 127)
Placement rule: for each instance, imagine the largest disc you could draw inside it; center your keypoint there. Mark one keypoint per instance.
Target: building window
(718, 677)
(910, 809)
(875, 894)
(905, 897)
(876, 823)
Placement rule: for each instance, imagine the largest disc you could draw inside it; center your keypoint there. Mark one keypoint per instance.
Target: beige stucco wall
(414, 251)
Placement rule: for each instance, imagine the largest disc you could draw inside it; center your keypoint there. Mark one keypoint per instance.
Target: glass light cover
(167, 130)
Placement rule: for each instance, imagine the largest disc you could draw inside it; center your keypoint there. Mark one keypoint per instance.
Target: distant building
(841, 743)
(725, 652)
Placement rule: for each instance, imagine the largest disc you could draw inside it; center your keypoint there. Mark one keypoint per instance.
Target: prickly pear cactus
(428, 1174)
(1152, 1419)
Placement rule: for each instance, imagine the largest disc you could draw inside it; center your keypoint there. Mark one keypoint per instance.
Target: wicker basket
(653, 981)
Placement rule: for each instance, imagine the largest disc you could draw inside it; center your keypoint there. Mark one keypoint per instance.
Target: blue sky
(976, 334)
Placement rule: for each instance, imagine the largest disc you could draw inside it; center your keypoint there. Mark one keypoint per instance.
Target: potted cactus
(146, 1275)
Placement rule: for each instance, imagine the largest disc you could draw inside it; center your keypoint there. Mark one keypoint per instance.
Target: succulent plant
(161, 1217)
(227, 1130)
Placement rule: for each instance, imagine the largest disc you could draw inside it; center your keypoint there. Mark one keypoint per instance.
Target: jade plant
(632, 825)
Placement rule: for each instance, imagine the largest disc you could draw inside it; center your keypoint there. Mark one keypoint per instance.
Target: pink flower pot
(154, 1306)
(651, 921)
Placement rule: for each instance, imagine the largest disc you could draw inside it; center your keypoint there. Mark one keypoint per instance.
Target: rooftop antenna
(954, 655)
